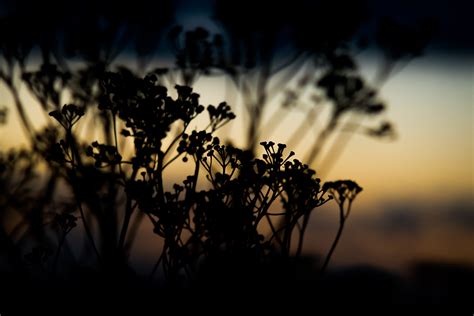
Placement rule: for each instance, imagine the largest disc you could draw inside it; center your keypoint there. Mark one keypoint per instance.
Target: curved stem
(342, 220)
(301, 236)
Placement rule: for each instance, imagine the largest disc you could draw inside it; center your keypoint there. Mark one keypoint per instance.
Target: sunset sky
(417, 200)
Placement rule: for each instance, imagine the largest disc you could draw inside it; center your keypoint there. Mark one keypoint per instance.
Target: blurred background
(417, 201)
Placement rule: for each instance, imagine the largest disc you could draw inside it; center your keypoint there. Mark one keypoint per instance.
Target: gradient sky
(417, 200)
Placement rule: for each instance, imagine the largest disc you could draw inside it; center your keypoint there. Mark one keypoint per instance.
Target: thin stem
(126, 223)
(285, 80)
(300, 133)
(274, 231)
(302, 232)
(273, 122)
(133, 230)
(155, 267)
(26, 124)
(88, 231)
(159, 178)
(171, 160)
(338, 146)
(258, 108)
(286, 63)
(175, 140)
(115, 139)
(128, 214)
(320, 141)
(342, 219)
(58, 251)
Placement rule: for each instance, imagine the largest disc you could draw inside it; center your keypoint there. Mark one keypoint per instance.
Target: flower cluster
(196, 221)
(68, 115)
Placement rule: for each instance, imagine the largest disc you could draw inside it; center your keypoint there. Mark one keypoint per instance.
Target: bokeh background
(417, 202)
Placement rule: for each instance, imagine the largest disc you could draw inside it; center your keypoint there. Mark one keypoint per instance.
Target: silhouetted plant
(293, 59)
(227, 217)
(255, 208)
(223, 220)
(344, 192)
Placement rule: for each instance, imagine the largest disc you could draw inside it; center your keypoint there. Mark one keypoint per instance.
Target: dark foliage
(73, 202)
